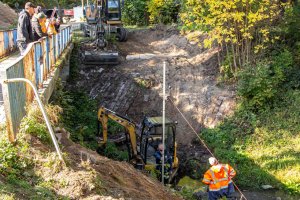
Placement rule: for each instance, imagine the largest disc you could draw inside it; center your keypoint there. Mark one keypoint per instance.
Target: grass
(189, 187)
(18, 179)
(264, 146)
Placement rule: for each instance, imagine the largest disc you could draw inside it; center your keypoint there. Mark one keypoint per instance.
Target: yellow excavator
(144, 143)
(103, 19)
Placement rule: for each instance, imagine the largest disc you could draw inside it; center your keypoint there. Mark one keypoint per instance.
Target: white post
(43, 112)
(163, 123)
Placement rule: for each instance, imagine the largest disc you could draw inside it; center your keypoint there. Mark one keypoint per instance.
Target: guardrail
(36, 65)
(8, 42)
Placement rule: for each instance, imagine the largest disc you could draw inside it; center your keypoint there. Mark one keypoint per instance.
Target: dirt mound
(8, 16)
(91, 176)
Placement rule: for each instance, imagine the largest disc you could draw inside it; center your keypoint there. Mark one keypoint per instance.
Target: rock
(278, 198)
(266, 187)
(58, 136)
(222, 98)
(57, 130)
(28, 137)
(146, 98)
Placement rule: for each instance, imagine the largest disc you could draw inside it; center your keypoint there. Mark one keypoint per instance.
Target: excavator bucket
(100, 58)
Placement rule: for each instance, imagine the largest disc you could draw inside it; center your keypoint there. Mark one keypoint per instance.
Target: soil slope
(91, 176)
(7, 16)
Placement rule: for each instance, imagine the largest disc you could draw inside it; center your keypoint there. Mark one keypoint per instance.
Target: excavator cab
(151, 136)
(143, 145)
(113, 12)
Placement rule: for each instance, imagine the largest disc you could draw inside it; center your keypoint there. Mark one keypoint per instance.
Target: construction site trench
(133, 88)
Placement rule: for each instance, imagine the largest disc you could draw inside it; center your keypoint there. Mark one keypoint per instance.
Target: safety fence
(8, 42)
(37, 63)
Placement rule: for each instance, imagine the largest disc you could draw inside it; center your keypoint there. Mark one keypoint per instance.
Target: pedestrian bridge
(39, 65)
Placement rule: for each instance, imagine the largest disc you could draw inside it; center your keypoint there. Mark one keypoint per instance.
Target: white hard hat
(212, 161)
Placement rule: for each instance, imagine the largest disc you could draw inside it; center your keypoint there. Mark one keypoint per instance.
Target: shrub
(163, 11)
(112, 151)
(135, 12)
(13, 158)
(259, 84)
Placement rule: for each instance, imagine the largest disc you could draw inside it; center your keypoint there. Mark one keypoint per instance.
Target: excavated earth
(134, 87)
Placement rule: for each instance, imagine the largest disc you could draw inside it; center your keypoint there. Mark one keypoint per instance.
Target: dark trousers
(226, 192)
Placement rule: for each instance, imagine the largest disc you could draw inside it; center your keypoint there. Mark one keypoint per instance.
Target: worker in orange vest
(218, 178)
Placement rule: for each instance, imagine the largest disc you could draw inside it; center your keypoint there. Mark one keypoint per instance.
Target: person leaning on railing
(24, 30)
(38, 24)
(50, 26)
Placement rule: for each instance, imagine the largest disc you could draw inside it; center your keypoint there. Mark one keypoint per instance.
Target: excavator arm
(104, 114)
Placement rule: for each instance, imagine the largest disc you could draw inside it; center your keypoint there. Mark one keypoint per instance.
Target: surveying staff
(218, 177)
(24, 30)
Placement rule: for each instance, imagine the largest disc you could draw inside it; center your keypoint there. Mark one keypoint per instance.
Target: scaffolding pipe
(163, 123)
(13, 80)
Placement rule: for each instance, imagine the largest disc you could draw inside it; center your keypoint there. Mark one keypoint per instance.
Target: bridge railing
(36, 65)
(8, 42)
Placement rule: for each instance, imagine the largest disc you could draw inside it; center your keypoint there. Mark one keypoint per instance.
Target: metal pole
(12, 80)
(163, 123)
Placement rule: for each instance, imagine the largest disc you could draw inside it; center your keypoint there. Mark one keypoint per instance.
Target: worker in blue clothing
(168, 161)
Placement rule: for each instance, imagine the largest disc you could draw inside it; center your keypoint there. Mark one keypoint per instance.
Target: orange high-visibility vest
(219, 180)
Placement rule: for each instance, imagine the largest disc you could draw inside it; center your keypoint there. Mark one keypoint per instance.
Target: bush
(112, 151)
(79, 116)
(13, 159)
(134, 12)
(259, 84)
(163, 11)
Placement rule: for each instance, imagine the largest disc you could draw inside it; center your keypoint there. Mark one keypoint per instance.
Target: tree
(242, 27)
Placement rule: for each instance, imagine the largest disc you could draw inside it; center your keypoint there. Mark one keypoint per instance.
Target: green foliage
(13, 157)
(33, 127)
(79, 116)
(259, 84)
(262, 146)
(290, 28)
(226, 71)
(163, 11)
(111, 151)
(134, 12)
(190, 186)
(243, 28)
